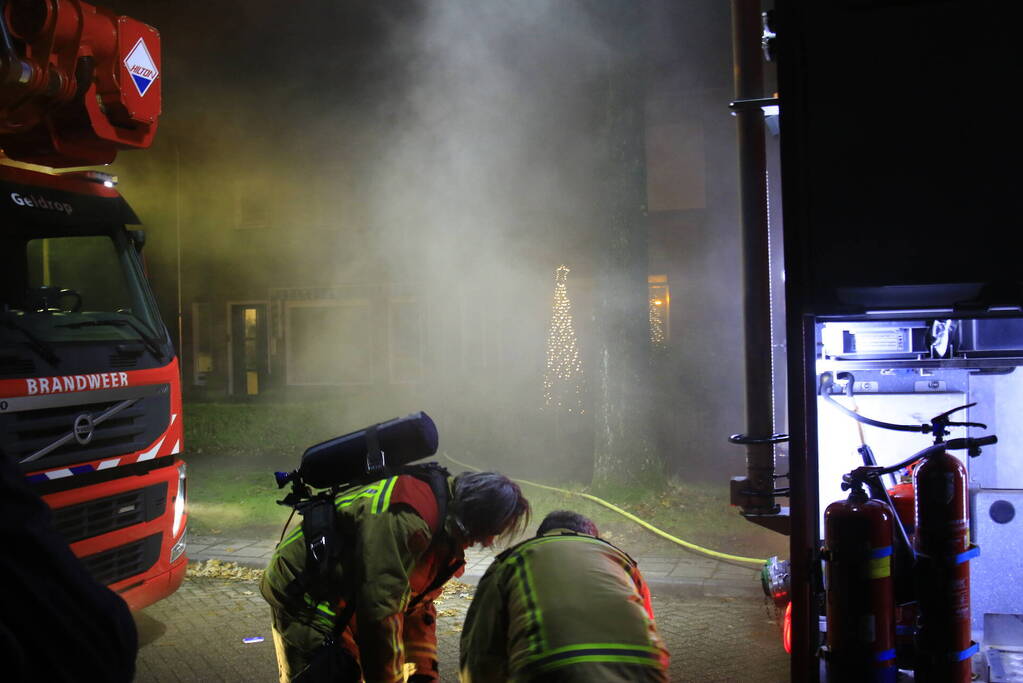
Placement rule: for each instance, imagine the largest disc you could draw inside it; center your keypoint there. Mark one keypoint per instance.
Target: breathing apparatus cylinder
(860, 591)
(355, 456)
(942, 542)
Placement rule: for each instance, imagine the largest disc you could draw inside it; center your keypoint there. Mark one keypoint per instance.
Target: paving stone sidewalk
(684, 573)
(218, 629)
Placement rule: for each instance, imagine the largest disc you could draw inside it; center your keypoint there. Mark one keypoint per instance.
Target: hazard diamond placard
(141, 67)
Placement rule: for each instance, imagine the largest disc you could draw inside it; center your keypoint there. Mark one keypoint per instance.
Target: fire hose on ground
(631, 517)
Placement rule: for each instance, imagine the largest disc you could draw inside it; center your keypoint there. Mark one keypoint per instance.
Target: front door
(248, 349)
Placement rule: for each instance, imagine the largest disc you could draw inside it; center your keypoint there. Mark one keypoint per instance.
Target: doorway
(249, 365)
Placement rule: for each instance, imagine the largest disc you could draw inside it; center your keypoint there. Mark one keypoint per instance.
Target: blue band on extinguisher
(885, 655)
(973, 552)
(880, 552)
(965, 654)
(905, 630)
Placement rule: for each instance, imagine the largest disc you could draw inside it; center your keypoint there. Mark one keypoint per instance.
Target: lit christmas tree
(563, 379)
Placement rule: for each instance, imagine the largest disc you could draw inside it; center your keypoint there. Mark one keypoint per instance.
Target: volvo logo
(83, 429)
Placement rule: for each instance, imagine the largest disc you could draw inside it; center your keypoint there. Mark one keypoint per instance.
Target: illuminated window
(253, 336)
(660, 310)
(202, 342)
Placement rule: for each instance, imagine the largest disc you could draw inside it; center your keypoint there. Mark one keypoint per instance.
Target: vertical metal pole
(46, 263)
(803, 477)
(749, 84)
(806, 575)
(177, 220)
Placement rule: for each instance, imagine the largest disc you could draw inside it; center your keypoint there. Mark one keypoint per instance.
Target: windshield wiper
(150, 343)
(40, 347)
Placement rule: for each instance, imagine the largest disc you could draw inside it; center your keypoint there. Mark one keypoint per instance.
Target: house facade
(334, 219)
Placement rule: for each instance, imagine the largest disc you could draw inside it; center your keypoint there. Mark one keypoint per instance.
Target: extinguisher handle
(970, 444)
(973, 446)
(981, 425)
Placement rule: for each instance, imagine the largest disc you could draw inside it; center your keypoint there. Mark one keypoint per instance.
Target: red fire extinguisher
(942, 542)
(860, 590)
(903, 499)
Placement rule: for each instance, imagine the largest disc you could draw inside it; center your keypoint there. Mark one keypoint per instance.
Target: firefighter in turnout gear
(372, 617)
(565, 606)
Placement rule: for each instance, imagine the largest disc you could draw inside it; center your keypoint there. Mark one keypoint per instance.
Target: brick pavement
(197, 635)
(711, 614)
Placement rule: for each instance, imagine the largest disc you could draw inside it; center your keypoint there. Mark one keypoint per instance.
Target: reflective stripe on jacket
(563, 606)
(393, 556)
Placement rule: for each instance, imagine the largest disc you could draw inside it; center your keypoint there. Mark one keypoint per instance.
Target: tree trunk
(623, 451)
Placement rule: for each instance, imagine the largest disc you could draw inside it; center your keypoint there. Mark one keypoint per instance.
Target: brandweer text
(56, 385)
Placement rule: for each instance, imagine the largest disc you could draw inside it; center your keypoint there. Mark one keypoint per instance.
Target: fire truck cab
(90, 397)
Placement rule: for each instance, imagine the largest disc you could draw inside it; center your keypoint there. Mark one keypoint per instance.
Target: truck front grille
(13, 366)
(117, 564)
(25, 432)
(95, 517)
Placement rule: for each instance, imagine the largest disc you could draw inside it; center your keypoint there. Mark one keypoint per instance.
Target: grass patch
(232, 451)
(237, 497)
(233, 500)
(233, 428)
(695, 512)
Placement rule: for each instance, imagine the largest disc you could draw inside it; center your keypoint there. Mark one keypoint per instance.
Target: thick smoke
(487, 180)
(447, 156)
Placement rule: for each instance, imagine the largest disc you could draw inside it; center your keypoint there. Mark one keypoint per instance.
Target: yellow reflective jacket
(395, 556)
(562, 607)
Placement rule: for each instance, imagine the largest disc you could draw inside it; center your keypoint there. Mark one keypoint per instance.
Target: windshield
(74, 289)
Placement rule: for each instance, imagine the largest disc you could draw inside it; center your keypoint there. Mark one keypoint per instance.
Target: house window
(202, 343)
(329, 342)
(252, 205)
(660, 310)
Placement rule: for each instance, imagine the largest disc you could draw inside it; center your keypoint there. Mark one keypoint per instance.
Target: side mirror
(138, 239)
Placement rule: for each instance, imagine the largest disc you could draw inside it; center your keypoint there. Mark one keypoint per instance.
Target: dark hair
(489, 504)
(566, 519)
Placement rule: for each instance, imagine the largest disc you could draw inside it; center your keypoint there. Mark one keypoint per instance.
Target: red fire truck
(90, 395)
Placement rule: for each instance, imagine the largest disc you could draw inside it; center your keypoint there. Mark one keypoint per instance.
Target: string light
(563, 378)
(657, 335)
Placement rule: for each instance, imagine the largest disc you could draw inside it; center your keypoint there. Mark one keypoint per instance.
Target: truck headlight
(179, 548)
(179, 501)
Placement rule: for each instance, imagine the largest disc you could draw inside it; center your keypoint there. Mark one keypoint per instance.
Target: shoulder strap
(436, 477)
(323, 545)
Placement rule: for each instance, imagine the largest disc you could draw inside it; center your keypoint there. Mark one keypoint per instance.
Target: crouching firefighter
(563, 607)
(351, 591)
